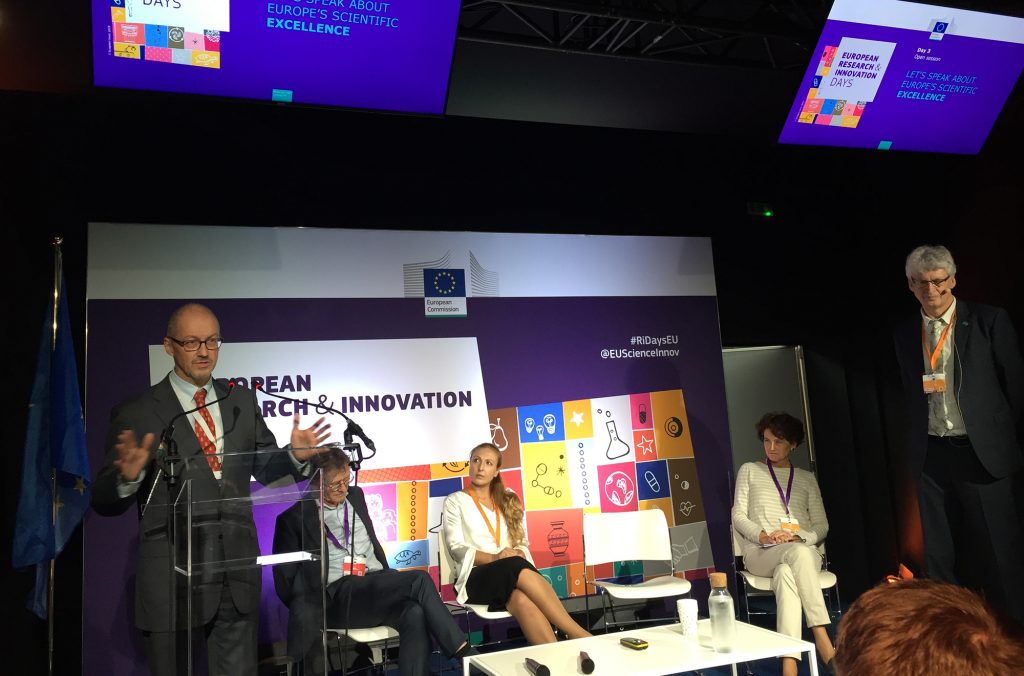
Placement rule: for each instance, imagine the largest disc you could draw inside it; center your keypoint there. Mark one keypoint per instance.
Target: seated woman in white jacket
(483, 531)
(779, 515)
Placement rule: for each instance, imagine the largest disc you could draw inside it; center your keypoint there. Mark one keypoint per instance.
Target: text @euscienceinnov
(644, 347)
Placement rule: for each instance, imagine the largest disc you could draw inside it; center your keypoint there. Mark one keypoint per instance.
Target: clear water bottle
(723, 615)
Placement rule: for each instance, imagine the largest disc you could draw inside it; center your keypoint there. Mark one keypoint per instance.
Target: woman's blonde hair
(505, 500)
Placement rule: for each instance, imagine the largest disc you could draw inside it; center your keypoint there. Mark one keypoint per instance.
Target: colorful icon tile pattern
(168, 44)
(829, 112)
(612, 454)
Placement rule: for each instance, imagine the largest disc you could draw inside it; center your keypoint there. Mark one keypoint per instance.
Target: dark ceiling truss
(776, 34)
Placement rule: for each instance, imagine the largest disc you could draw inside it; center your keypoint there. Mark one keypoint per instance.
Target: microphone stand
(355, 453)
(167, 462)
(353, 428)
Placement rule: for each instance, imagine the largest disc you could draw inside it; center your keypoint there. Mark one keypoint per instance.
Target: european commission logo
(444, 292)
(939, 28)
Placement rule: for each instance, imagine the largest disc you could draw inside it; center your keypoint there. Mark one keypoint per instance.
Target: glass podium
(233, 537)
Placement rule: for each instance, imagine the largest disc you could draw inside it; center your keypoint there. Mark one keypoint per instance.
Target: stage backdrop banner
(428, 389)
(593, 363)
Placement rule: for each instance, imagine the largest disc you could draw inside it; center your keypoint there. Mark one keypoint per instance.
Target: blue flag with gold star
(55, 456)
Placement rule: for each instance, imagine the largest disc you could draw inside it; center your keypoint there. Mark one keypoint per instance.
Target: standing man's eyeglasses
(192, 345)
(923, 283)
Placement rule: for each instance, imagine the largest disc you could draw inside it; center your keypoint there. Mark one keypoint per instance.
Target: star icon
(577, 418)
(80, 485)
(644, 445)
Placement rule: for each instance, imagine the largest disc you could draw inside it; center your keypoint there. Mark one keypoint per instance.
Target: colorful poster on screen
(373, 54)
(906, 76)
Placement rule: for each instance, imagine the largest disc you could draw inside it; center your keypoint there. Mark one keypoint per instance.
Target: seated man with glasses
(406, 601)
(963, 378)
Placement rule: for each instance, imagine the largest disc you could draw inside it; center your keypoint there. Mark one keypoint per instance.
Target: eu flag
(54, 446)
(444, 283)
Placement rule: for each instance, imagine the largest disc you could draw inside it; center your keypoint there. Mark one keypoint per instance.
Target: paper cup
(687, 609)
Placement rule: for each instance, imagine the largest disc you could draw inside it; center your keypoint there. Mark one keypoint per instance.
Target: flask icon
(617, 448)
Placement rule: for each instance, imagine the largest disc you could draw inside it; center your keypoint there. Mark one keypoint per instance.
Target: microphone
(170, 425)
(167, 443)
(355, 429)
(586, 665)
(166, 453)
(352, 429)
(536, 668)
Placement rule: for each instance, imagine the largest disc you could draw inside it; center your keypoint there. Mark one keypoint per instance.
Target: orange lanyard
(934, 357)
(496, 530)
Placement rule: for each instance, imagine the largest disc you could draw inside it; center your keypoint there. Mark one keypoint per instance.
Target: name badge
(934, 382)
(355, 567)
(789, 524)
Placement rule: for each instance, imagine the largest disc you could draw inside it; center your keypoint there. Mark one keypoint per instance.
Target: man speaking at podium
(225, 605)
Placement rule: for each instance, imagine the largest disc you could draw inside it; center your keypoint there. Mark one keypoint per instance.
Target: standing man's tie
(205, 442)
(935, 327)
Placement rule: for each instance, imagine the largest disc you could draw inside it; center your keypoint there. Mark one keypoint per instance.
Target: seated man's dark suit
(406, 601)
(223, 530)
(965, 485)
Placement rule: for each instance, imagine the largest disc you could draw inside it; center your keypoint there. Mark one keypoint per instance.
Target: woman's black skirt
(492, 583)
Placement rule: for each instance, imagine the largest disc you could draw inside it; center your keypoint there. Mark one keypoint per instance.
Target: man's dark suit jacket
(988, 379)
(298, 584)
(224, 530)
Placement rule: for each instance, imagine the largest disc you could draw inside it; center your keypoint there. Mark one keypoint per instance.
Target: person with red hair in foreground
(918, 627)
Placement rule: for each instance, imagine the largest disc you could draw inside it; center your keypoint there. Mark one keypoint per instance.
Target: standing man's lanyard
(933, 356)
(933, 381)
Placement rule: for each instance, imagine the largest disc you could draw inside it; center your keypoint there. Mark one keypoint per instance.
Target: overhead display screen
(394, 55)
(906, 76)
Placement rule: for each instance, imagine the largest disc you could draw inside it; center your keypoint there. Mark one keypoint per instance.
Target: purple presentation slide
(906, 76)
(381, 55)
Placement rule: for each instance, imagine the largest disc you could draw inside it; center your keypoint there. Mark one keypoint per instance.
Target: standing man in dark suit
(225, 604)
(963, 376)
(406, 601)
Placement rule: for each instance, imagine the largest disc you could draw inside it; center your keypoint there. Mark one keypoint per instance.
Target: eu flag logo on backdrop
(54, 447)
(444, 283)
(444, 292)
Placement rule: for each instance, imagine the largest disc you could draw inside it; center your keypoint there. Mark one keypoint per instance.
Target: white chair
(446, 564)
(750, 585)
(628, 536)
(374, 637)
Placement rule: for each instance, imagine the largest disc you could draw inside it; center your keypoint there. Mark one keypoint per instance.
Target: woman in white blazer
(483, 530)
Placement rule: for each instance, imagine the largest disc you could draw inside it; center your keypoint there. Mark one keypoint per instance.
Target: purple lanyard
(789, 485)
(344, 520)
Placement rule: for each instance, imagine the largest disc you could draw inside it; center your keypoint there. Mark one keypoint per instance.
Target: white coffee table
(669, 652)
